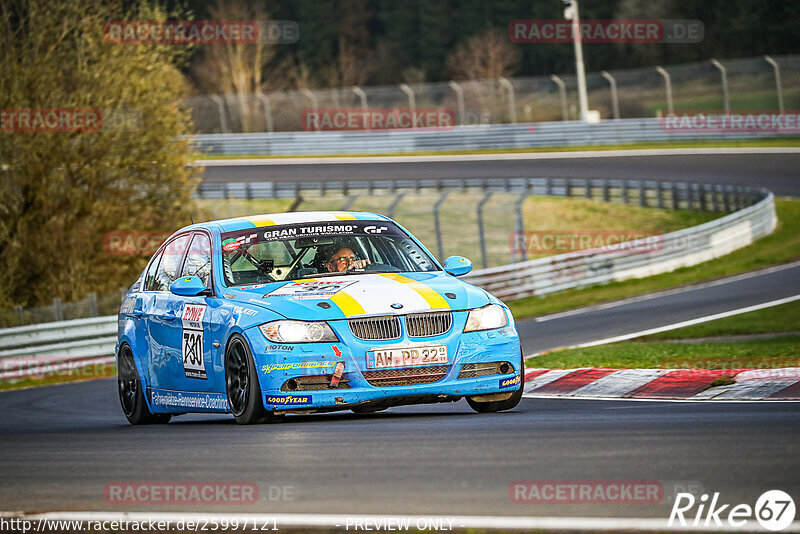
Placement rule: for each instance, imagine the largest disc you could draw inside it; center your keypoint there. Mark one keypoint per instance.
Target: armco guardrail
(677, 249)
(61, 346)
(482, 137)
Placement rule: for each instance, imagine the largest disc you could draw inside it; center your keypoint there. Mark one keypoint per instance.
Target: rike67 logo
(774, 510)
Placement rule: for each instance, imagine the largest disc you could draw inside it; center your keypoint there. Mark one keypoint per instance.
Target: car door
(196, 343)
(164, 320)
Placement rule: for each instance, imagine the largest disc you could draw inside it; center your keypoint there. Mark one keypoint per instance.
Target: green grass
(760, 353)
(782, 246)
(772, 142)
(783, 318)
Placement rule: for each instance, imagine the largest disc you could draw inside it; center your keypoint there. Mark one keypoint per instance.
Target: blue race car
(309, 312)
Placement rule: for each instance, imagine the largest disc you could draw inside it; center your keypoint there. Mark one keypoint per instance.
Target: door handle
(137, 313)
(170, 317)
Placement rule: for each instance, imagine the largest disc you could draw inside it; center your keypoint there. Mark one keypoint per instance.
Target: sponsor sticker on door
(192, 341)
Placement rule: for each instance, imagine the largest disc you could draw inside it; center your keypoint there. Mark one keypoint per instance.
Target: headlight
(487, 318)
(297, 332)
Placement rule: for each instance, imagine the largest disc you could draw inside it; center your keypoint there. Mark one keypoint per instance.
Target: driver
(343, 260)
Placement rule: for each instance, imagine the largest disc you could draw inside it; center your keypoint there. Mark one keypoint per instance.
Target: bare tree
(486, 56)
(235, 68)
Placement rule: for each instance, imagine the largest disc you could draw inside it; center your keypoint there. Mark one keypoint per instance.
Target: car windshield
(322, 249)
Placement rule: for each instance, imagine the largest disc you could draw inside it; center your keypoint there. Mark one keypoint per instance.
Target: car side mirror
(457, 265)
(189, 286)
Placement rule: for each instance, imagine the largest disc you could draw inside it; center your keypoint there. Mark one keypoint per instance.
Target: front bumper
(278, 364)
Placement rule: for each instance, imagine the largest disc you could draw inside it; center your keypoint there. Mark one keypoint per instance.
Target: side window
(198, 260)
(170, 262)
(150, 278)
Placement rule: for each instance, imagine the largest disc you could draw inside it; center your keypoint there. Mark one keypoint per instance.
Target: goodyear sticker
(286, 400)
(266, 369)
(510, 382)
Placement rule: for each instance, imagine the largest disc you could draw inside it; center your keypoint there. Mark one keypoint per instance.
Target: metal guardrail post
(589, 195)
(481, 234)
(562, 91)
(223, 119)
(724, 74)
(459, 91)
(264, 99)
(667, 87)
(20, 315)
(606, 191)
(660, 195)
(642, 195)
(625, 197)
(92, 299)
(521, 220)
(437, 227)
(58, 310)
(675, 197)
(362, 96)
(412, 102)
(613, 87)
(512, 108)
(396, 202)
(778, 86)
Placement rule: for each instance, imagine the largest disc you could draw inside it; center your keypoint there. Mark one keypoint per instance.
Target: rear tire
(508, 404)
(131, 396)
(241, 384)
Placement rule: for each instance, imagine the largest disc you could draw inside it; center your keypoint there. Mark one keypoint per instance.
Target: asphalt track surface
(780, 173)
(60, 446)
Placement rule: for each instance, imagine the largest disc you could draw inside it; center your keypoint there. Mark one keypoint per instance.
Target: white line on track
(678, 290)
(340, 521)
(690, 322)
(505, 156)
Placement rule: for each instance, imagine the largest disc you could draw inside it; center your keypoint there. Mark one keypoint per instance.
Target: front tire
(241, 384)
(131, 395)
(509, 403)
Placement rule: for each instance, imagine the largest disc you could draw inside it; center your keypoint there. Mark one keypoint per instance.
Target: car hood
(339, 297)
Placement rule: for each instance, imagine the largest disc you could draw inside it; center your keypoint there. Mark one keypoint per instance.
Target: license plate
(407, 356)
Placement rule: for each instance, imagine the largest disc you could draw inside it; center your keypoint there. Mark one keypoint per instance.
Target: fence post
(436, 224)
(395, 203)
(481, 235)
(456, 87)
(264, 99)
(589, 188)
(667, 87)
(362, 96)
(512, 108)
(625, 197)
(521, 224)
(675, 197)
(58, 310)
(20, 315)
(308, 93)
(642, 195)
(92, 298)
(614, 99)
(412, 102)
(778, 86)
(349, 204)
(223, 119)
(562, 91)
(724, 73)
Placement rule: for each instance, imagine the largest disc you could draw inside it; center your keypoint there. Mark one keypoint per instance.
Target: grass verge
(782, 246)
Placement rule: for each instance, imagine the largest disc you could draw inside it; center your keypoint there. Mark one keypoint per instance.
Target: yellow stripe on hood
(347, 304)
(431, 296)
